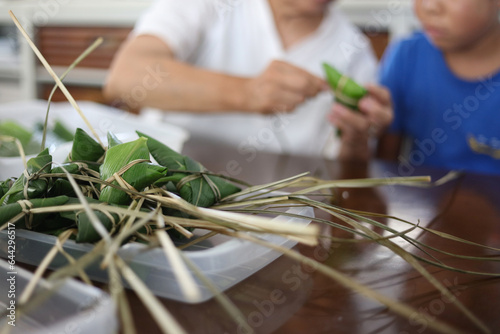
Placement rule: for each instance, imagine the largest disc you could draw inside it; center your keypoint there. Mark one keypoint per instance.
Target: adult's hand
(376, 113)
(281, 87)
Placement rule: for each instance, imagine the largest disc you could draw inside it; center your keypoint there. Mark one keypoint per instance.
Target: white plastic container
(72, 307)
(224, 260)
(102, 118)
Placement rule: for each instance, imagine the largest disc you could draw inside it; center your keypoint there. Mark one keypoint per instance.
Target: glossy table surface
(286, 297)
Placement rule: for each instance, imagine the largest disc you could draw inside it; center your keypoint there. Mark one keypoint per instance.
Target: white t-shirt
(239, 37)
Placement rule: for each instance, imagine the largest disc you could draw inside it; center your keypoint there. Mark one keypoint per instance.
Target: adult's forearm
(145, 73)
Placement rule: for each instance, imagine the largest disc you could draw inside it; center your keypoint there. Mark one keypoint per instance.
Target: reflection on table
(286, 297)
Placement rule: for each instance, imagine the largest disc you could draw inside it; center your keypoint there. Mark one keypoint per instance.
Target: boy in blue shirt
(445, 89)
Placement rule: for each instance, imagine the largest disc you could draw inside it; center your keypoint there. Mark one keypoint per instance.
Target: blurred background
(62, 29)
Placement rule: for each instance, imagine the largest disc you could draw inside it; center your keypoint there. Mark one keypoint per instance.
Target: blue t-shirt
(453, 123)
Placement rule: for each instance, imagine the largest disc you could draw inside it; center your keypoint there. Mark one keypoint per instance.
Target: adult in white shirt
(249, 73)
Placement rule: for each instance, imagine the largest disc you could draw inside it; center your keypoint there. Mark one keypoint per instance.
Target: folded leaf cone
(70, 167)
(194, 185)
(9, 211)
(60, 187)
(346, 90)
(86, 149)
(5, 186)
(138, 175)
(87, 232)
(113, 140)
(62, 132)
(36, 186)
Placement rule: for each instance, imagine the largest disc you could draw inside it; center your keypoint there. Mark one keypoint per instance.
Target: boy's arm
(146, 73)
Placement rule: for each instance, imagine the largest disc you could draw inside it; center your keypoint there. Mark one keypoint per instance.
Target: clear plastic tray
(224, 260)
(72, 307)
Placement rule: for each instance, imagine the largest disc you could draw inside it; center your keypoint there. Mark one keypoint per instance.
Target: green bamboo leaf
(347, 91)
(62, 132)
(9, 211)
(170, 181)
(194, 186)
(163, 154)
(70, 167)
(138, 176)
(85, 148)
(37, 187)
(120, 155)
(9, 148)
(113, 140)
(53, 224)
(15, 193)
(40, 163)
(205, 190)
(13, 129)
(87, 232)
(61, 187)
(6, 185)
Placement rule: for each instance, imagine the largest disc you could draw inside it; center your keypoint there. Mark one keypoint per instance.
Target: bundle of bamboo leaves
(111, 176)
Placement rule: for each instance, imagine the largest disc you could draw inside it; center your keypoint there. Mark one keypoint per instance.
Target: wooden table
(286, 297)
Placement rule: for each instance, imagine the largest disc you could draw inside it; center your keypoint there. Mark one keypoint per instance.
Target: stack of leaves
(113, 175)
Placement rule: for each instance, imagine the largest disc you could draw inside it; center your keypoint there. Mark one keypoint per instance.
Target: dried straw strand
(54, 76)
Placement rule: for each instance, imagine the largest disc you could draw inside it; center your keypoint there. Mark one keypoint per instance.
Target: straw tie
(339, 92)
(195, 176)
(110, 217)
(122, 171)
(26, 206)
(31, 177)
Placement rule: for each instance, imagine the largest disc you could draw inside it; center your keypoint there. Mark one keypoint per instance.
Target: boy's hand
(282, 87)
(375, 115)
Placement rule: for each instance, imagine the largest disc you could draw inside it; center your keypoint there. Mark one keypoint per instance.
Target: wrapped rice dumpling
(9, 211)
(347, 91)
(131, 159)
(29, 185)
(188, 176)
(86, 149)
